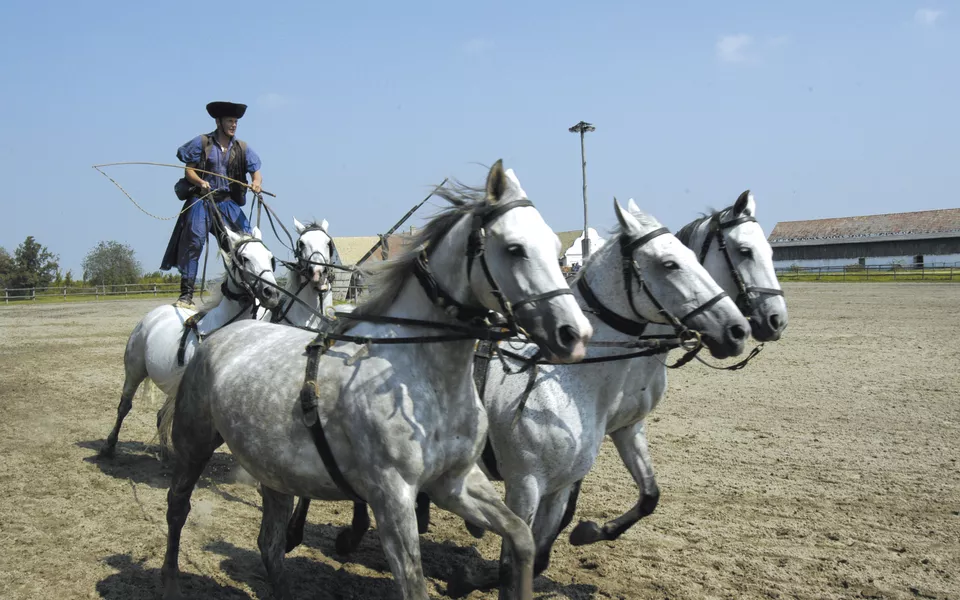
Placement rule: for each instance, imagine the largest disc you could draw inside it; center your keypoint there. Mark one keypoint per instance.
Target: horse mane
(387, 278)
(616, 231)
(685, 235)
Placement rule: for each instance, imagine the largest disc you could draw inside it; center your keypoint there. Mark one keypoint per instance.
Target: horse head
(732, 247)
(650, 277)
(315, 252)
(250, 266)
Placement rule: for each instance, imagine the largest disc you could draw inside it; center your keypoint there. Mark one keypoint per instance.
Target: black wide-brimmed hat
(222, 110)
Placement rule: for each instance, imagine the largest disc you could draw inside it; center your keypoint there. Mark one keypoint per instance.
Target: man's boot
(186, 294)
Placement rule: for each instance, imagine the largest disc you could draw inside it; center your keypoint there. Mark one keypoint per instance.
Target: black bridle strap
(610, 318)
(543, 296)
(703, 307)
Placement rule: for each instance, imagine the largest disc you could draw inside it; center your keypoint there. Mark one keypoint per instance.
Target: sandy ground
(826, 469)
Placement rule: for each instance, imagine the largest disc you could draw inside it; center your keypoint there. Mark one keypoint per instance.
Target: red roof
(927, 223)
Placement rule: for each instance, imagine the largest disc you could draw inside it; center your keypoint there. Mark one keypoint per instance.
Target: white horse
(165, 340)
(568, 410)
(381, 409)
(733, 248)
(309, 279)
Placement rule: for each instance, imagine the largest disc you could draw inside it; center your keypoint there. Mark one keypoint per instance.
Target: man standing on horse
(225, 158)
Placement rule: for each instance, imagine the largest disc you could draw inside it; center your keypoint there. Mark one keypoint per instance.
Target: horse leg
(553, 515)
(135, 371)
(631, 443)
(476, 500)
(297, 522)
(423, 512)
(271, 541)
(349, 538)
(194, 439)
(392, 502)
(186, 473)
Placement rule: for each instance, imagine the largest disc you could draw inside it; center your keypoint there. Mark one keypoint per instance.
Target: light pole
(583, 127)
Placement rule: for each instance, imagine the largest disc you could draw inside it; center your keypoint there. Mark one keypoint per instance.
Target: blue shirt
(193, 150)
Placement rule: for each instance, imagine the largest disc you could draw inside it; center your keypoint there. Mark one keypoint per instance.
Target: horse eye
(671, 265)
(744, 251)
(517, 251)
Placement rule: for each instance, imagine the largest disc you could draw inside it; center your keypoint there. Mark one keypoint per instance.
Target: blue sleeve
(191, 151)
(253, 160)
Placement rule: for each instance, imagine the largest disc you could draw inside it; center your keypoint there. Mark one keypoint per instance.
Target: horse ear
(628, 222)
(324, 226)
(745, 204)
(257, 234)
(298, 225)
(232, 238)
(496, 182)
(632, 206)
(513, 184)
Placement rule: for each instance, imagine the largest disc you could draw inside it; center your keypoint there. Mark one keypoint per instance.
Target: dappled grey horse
(383, 406)
(164, 341)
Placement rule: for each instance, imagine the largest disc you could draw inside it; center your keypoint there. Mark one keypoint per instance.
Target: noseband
(631, 272)
(476, 251)
(247, 292)
(744, 302)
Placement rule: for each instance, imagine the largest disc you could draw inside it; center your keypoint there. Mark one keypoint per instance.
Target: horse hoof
(474, 530)
(586, 532)
(345, 543)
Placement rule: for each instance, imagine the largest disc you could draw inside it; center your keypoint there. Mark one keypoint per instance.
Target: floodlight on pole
(583, 127)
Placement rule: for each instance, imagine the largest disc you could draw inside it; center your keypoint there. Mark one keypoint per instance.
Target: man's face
(229, 125)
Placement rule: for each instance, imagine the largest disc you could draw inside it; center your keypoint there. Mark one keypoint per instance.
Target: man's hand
(204, 185)
(255, 187)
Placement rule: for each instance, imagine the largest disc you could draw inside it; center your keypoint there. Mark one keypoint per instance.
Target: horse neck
(447, 262)
(226, 310)
(299, 315)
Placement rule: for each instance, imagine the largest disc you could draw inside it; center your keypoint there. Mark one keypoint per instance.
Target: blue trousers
(196, 229)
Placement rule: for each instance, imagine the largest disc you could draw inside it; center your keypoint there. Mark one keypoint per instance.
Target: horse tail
(165, 424)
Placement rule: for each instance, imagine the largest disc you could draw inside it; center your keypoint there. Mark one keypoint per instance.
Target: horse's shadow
(140, 463)
(441, 561)
(133, 580)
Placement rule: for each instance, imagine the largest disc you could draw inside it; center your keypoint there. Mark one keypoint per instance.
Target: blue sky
(823, 109)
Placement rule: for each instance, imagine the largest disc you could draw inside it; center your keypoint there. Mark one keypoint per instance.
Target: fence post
(124, 290)
(64, 293)
(34, 292)
(6, 293)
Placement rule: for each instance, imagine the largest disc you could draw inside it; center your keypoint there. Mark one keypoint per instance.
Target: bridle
(246, 294)
(715, 230)
(303, 263)
(303, 266)
(631, 273)
(476, 252)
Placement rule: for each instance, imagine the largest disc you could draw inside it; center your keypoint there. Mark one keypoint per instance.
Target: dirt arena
(826, 469)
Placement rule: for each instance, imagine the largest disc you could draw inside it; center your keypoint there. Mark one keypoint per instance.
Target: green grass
(907, 275)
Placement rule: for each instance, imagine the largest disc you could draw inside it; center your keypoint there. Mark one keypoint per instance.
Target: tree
(111, 263)
(33, 265)
(6, 267)
(68, 280)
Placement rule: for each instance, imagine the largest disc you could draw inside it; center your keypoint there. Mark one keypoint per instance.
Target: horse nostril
(775, 322)
(738, 333)
(568, 335)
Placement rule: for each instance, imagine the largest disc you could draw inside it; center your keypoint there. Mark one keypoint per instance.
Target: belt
(220, 195)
